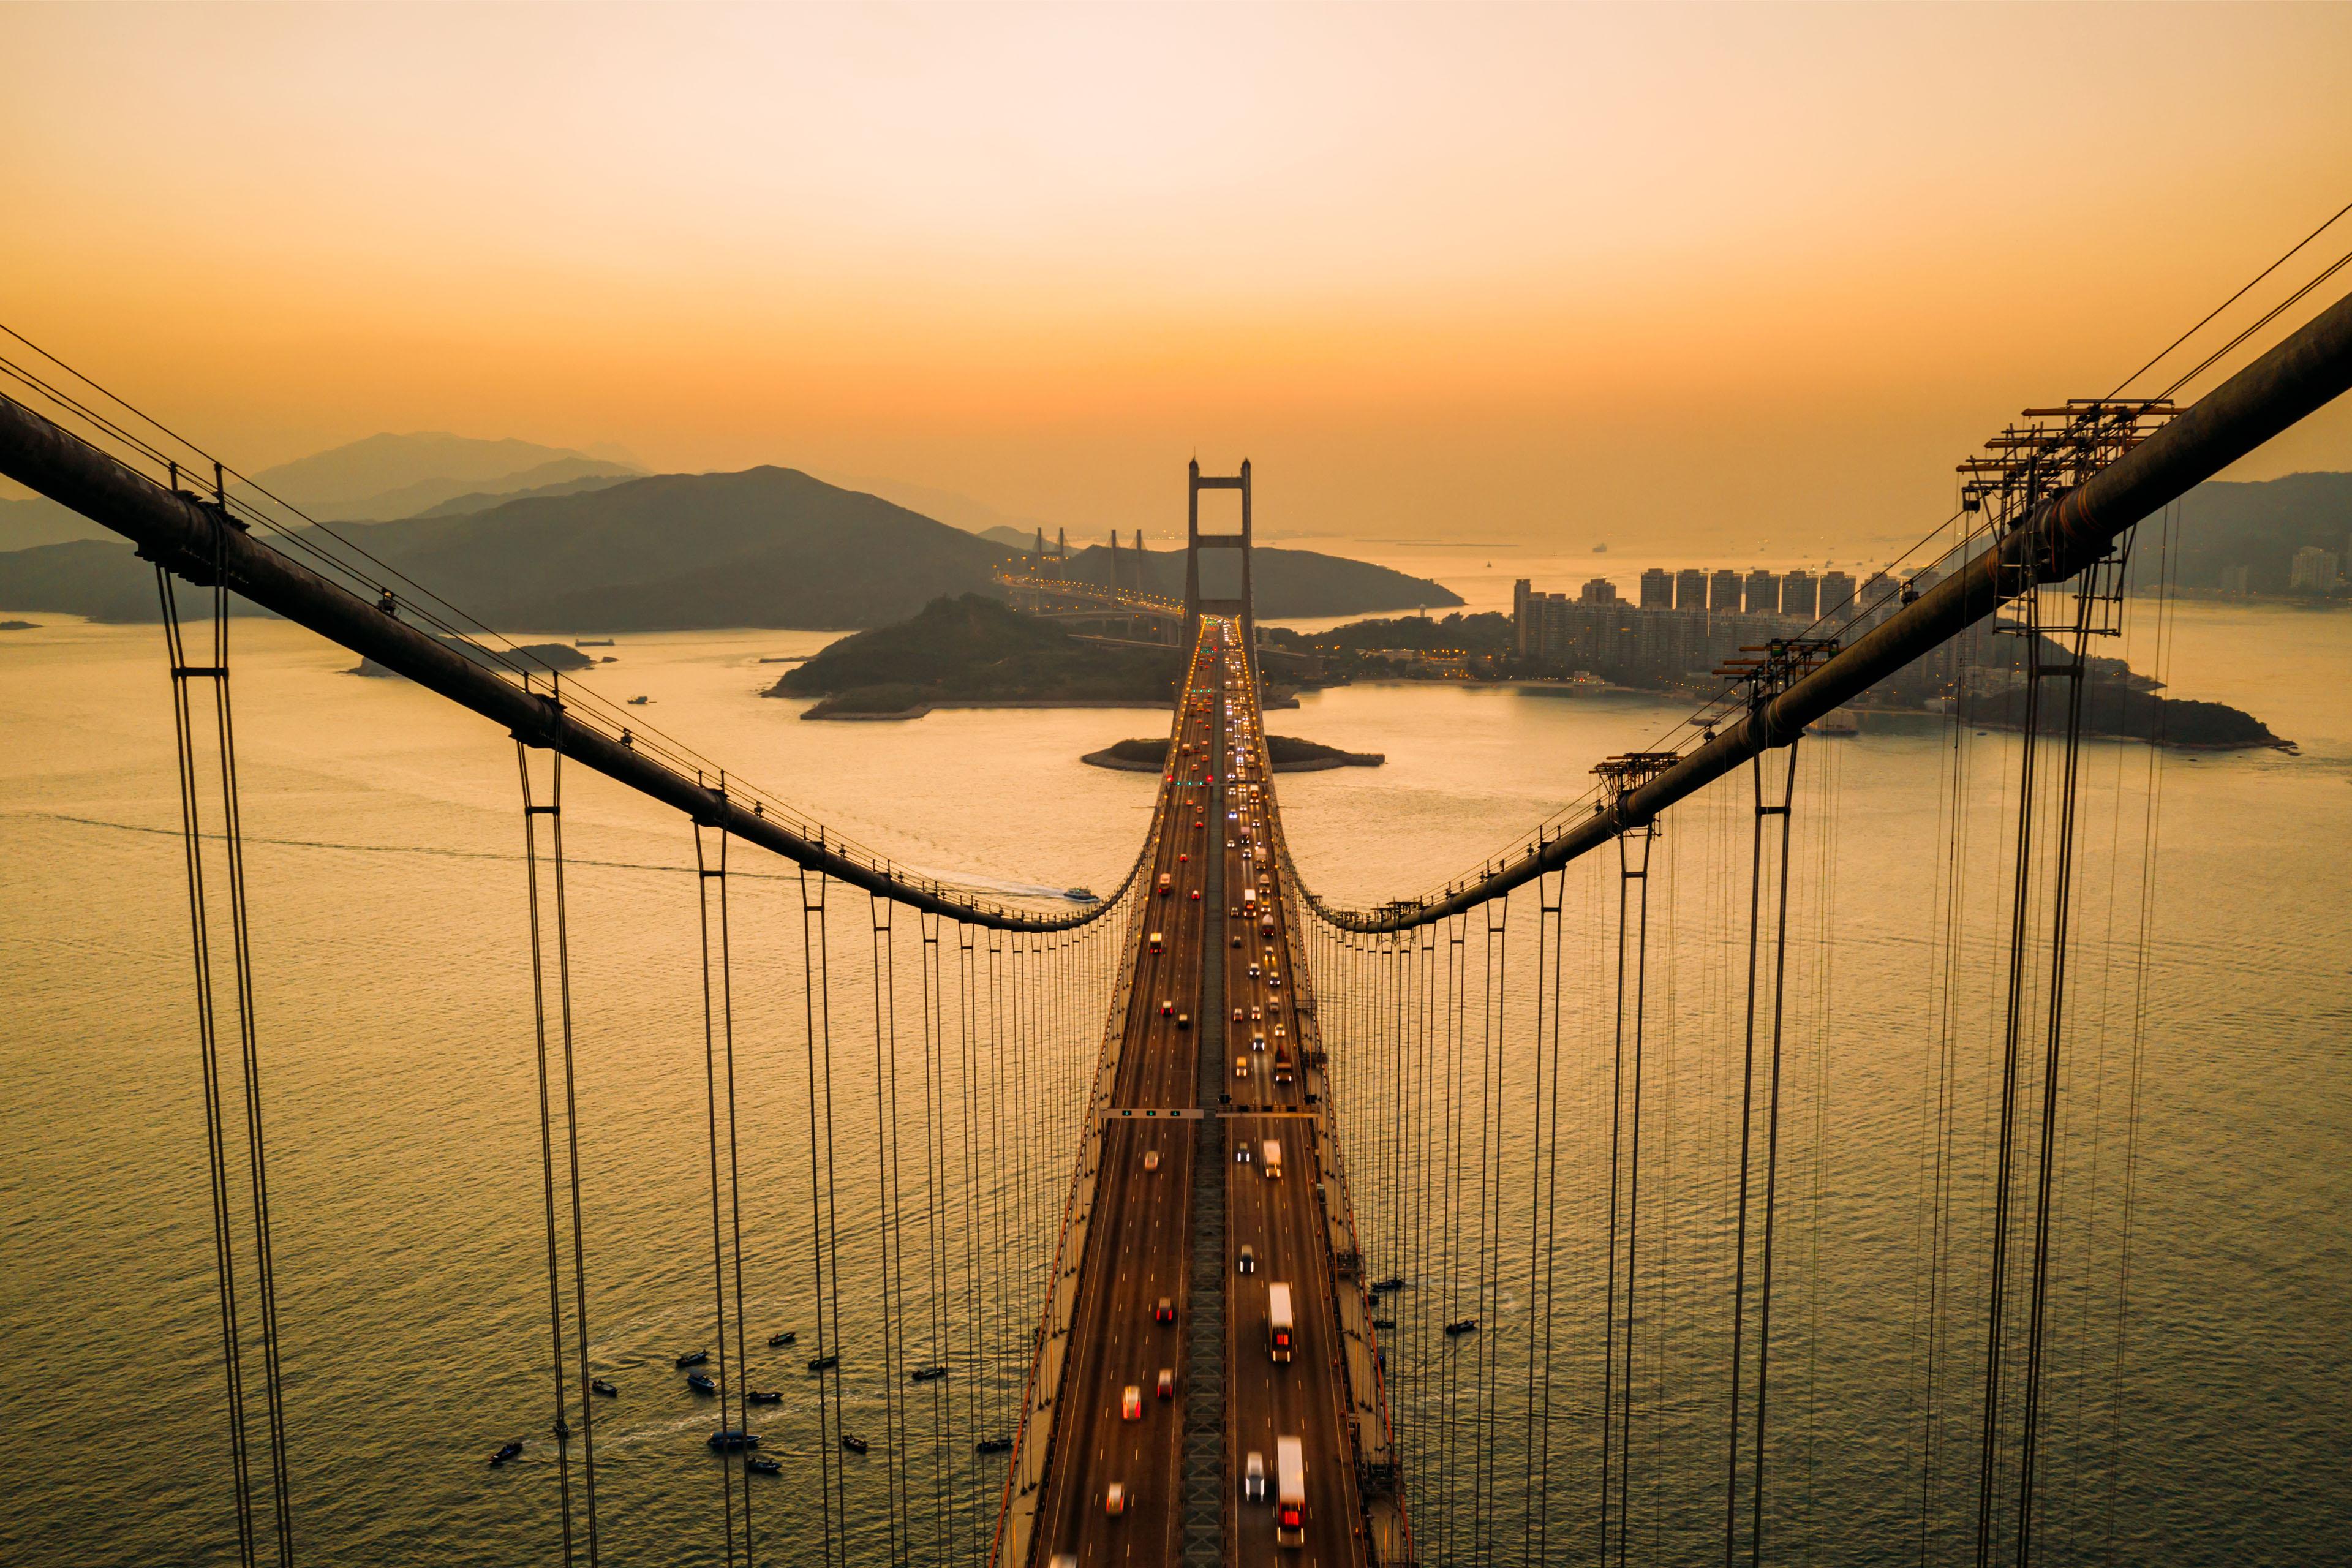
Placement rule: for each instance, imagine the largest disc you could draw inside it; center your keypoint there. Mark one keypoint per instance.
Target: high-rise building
(1799, 594)
(1599, 591)
(1877, 593)
(1723, 591)
(1763, 593)
(1690, 588)
(1837, 594)
(1657, 589)
(2313, 571)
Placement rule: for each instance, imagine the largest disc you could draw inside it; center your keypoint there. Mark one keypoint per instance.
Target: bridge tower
(1195, 541)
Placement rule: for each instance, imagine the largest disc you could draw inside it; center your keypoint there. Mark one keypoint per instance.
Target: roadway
(1138, 1249)
(1138, 1246)
(1282, 1220)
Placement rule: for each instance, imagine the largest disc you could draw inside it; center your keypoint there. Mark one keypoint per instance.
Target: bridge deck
(1215, 832)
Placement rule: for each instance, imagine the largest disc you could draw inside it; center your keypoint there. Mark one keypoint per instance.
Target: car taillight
(1290, 1518)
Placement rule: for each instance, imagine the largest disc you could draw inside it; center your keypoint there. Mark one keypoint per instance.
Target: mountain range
(765, 547)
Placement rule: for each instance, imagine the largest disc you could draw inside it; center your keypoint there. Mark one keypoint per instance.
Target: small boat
(824, 1363)
(697, 1359)
(1384, 1322)
(1393, 1282)
(1461, 1325)
(606, 1389)
(725, 1441)
(994, 1445)
(764, 1467)
(1082, 895)
(787, 1337)
(639, 701)
(852, 1442)
(701, 1382)
(757, 1397)
(503, 1455)
(926, 1374)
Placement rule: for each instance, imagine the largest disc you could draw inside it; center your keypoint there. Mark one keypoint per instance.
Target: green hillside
(973, 648)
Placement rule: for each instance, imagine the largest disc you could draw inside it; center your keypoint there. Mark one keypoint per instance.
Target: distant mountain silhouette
(2258, 524)
(372, 477)
(767, 547)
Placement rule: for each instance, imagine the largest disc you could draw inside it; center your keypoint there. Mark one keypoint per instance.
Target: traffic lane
(1062, 1510)
(1301, 1399)
(1125, 1348)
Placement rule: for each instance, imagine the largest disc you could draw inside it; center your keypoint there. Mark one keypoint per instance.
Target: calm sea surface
(394, 999)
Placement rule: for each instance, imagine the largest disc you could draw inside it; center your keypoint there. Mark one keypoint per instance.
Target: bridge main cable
(187, 535)
(2059, 539)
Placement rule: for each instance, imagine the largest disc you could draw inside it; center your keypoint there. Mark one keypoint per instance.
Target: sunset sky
(1683, 275)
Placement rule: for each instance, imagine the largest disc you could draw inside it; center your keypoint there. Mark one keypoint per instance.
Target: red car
(1167, 1383)
(1196, 895)
(1166, 1311)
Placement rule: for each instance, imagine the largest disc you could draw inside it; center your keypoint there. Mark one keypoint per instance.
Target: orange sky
(1682, 275)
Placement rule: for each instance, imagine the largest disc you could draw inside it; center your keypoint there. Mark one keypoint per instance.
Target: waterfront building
(2313, 571)
(1837, 593)
(1724, 592)
(1763, 593)
(1657, 589)
(1799, 594)
(1599, 591)
(1690, 588)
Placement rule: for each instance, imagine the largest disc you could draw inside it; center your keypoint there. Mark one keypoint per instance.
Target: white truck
(1281, 1333)
(1270, 1155)
(1290, 1492)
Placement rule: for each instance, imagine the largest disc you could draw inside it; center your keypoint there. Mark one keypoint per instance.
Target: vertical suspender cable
(1632, 868)
(1543, 1209)
(885, 1182)
(532, 812)
(817, 1006)
(208, 1040)
(1746, 1127)
(2021, 919)
(717, 1033)
(2061, 893)
(1772, 1165)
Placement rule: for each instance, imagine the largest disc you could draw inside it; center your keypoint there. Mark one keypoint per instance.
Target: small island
(973, 651)
(19, 625)
(1290, 754)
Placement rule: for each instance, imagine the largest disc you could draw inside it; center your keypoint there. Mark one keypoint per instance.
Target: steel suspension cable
(823, 1207)
(1771, 1166)
(718, 1036)
(2061, 902)
(887, 1197)
(1747, 1103)
(1542, 1215)
(532, 812)
(208, 1041)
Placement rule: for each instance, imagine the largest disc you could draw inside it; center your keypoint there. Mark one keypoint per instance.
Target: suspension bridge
(1352, 1249)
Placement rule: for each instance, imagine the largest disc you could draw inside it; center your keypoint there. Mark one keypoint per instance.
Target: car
(1167, 884)
(1245, 1261)
(1253, 972)
(1180, 858)
(1237, 942)
(1254, 1477)
(1167, 1389)
(1115, 1501)
(1167, 1009)
(1183, 1020)
(1130, 1402)
(1242, 1156)
(1258, 1042)
(1237, 1015)
(1196, 895)
(1240, 1067)
(1166, 1311)
(1151, 1159)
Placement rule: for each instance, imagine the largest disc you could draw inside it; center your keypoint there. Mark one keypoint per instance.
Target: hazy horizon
(1676, 278)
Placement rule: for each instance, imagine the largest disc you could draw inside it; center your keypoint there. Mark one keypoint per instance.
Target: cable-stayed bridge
(1351, 1248)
